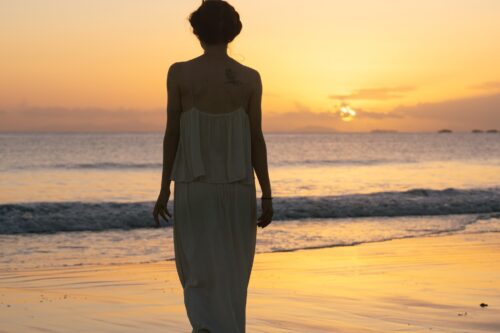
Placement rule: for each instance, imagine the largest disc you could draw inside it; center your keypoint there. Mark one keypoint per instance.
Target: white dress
(215, 223)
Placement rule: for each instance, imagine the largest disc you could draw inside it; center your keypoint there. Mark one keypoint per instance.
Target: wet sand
(430, 284)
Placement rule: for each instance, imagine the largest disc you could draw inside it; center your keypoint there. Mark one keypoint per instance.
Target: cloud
(300, 120)
(94, 119)
(465, 114)
(306, 120)
(490, 85)
(461, 114)
(360, 113)
(35, 118)
(375, 93)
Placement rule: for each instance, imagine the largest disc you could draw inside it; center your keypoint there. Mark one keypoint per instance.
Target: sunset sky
(400, 65)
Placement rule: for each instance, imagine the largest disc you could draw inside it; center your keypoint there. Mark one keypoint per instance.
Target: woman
(212, 145)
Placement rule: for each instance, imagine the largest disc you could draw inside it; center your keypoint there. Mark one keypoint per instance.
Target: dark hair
(215, 22)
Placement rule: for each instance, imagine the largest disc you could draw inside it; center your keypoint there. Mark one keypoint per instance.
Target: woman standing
(212, 145)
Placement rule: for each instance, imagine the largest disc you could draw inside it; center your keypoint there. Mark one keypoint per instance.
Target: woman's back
(214, 146)
(217, 85)
(215, 134)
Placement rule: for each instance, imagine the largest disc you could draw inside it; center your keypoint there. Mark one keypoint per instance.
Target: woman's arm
(259, 149)
(171, 138)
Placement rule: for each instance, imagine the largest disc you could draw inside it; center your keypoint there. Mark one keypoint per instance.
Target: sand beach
(428, 284)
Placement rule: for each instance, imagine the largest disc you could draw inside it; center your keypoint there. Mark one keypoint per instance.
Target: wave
(145, 166)
(346, 162)
(86, 248)
(109, 165)
(96, 166)
(51, 217)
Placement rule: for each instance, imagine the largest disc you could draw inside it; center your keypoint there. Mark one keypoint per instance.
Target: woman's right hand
(267, 213)
(160, 208)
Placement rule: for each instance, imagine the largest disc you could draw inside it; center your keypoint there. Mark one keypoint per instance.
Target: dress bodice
(214, 148)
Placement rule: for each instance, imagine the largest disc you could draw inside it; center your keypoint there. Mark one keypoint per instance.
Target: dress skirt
(215, 229)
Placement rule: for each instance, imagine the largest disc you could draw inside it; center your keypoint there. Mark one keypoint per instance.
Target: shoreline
(410, 284)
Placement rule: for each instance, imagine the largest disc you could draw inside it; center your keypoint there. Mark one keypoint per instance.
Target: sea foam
(50, 217)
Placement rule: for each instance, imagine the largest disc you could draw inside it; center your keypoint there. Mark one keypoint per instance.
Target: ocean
(71, 199)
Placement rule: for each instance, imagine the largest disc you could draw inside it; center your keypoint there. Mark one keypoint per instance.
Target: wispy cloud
(300, 120)
(374, 93)
(40, 118)
(463, 114)
(490, 85)
(304, 119)
(460, 114)
(362, 114)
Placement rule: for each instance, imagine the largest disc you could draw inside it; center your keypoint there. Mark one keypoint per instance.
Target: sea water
(87, 198)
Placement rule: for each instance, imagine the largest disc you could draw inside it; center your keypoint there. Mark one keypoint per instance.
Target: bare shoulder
(250, 73)
(176, 67)
(250, 76)
(173, 73)
(181, 69)
(187, 63)
(255, 81)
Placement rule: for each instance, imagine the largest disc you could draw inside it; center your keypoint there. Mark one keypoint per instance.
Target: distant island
(445, 131)
(481, 131)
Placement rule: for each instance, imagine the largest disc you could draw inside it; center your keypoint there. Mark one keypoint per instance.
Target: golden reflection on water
(133, 185)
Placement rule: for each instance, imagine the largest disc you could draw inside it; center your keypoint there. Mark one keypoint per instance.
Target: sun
(346, 113)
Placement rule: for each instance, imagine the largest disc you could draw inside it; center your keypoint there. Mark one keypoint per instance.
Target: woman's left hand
(161, 207)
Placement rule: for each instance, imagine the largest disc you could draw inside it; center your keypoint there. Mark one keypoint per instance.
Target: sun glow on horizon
(347, 113)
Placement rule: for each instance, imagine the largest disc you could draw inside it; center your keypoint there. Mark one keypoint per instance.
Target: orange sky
(406, 65)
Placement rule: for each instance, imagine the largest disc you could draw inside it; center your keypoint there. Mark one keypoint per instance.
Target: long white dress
(214, 218)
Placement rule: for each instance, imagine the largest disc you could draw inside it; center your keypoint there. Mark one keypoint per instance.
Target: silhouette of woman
(212, 145)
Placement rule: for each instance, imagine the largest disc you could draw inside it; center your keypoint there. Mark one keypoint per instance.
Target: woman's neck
(216, 51)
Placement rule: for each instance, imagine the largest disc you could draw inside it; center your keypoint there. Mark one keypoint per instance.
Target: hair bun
(215, 22)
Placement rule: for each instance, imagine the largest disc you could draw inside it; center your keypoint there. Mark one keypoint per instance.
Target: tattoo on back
(231, 77)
